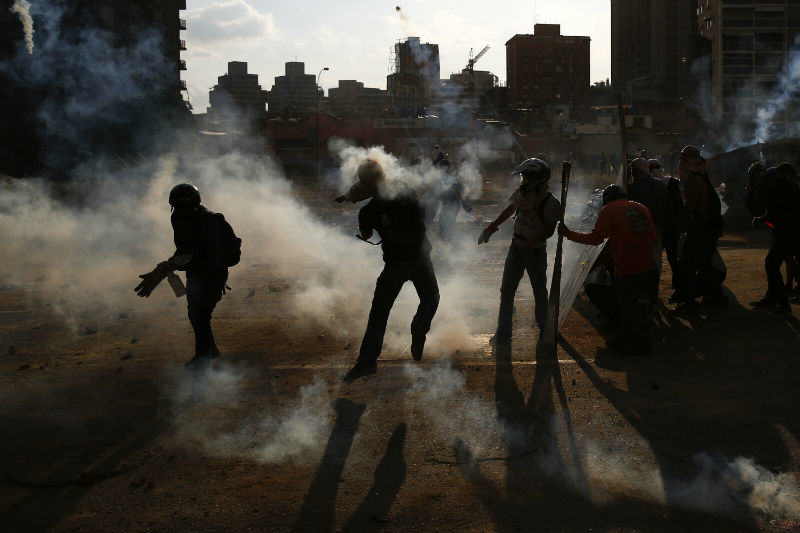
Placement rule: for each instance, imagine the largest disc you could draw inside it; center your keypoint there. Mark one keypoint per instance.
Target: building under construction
(415, 69)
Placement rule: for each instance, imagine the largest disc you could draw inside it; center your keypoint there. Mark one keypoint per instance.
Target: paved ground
(103, 430)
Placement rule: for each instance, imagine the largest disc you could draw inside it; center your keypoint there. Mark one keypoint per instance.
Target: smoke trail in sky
(22, 8)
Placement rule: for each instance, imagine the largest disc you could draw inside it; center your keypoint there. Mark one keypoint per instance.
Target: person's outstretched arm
(504, 215)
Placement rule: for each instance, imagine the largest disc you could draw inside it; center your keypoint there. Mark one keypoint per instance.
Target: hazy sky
(354, 37)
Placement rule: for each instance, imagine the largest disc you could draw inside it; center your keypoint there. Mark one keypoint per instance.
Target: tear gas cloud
(296, 432)
(765, 123)
(721, 486)
(457, 415)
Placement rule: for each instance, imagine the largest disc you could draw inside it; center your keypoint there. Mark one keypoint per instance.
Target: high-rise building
(653, 45)
(547, 68)
(237, 95)
(416, 70)
(351, 98)
(295, 92)
(750, 42)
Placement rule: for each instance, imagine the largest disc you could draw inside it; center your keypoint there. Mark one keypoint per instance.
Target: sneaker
(417, 345)
(360, 370)
(763, 303)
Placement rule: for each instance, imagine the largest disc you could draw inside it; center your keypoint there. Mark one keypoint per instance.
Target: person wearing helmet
(537, 213)
(702, 225)
(395, 213)
(204, 248)
(629, 227)
(773, 198)
(651, 192)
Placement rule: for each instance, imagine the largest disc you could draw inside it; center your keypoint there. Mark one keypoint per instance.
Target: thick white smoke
(293, 433)
(22, 8)
(786, 90)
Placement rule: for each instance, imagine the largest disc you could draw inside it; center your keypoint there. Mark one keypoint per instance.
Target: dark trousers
(518, 261)
(671, 239)
(696, 264)
(202, 294)
(781, 250)
(633, 299)
(420, 273)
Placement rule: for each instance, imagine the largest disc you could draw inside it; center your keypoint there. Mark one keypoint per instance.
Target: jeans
(202, 294)
(633, 299)
(419, 272)
(519, 260)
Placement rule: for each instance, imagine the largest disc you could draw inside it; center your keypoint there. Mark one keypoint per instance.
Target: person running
(537, 213)
(395, 213)
(628, 226)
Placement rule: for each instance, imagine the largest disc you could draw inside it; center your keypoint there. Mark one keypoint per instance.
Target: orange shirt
(629, 228)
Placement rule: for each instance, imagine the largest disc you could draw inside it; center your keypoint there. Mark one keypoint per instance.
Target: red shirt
(629, 227)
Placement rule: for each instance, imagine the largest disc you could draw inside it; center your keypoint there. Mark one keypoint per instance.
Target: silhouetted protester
(629, 228)
(396, 214)
(651, 192)
(773, 198)
(673, 215)
(205, 247)
(603, 164)
(702, 225)
(536, 213)
(446, 191)
(451, 195)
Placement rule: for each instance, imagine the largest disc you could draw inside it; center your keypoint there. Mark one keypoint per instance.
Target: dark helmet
(184, 196)
(533, 171)
(611, 193)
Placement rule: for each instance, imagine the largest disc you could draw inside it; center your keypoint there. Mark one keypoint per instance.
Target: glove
(562, 229)
(487, 233)
(757, 221)
(151, 280)
(340, 199)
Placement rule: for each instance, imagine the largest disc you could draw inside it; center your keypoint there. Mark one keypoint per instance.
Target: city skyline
(355, 42)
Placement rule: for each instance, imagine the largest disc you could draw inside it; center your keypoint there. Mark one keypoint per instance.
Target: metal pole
(317, 129)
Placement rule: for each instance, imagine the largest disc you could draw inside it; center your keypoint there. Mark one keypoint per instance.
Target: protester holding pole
(536, 213)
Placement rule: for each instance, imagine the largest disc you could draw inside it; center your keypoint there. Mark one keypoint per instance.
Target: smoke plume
(786, 90)
(264, 435)
(22, 8)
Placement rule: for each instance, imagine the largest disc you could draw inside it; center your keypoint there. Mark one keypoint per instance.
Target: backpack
(231, 245)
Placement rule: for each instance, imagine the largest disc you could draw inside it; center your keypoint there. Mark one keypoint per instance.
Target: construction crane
(471, 68)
